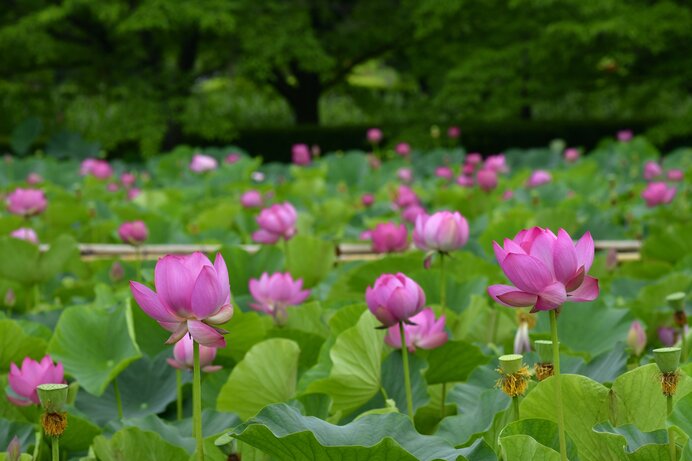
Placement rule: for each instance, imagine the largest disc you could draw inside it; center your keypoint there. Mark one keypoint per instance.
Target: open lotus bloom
(133, 232)
(97, 168)
(497, 163)
(443, 231)
(26, 202)
(652, 170)
(24, 381)
(192, 296)
(424, 332)
(183, 358)
(394, 298)
(201, 163)
(539, 178)
(274, 293)
(547, 270)
(405, 197)
(374, 135)
(25, 233)
(276, 222)
(300, 154)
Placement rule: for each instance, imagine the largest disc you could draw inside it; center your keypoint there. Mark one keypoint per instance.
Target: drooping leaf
(133, 443)
(453, 361)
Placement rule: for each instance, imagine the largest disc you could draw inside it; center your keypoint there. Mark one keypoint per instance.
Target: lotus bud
(636, 338)
(514, 375)
(14, 450)
(10, 297)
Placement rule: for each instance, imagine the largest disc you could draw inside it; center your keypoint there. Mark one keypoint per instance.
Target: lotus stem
(197, 402)
(558, 386)
(55, 449)
(287, 261)
(443, 302)
(38, 443)
(179, 392)
(118, 399)
(407, 378)
(515, 407)
(671, 434)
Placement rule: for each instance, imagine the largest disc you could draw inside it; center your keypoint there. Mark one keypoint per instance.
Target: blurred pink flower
(274, 293)
(232, 158)
(367, 200)
(507, 195)
(26, 202)
(133, 193)
(675, 175)
(97, 168)
(468, 169)
(405, 197)
(405, 174)
(539, 178)
(300, 154)
(658, 193)
(374, 135)
(192, 296)
(652, 170)
(444, 172)
(625, 135)
(474, 158)
(183, 358)
(394, 298)
(424, 332)
(251, 199)
(572, 154)
(133, 232)
(389, 238)
(443, 231)
(547, 270)
(128, 179)
(636, 338)
(112, 187)
(453, 132)
(276, 222)
(34, 178)
(497, 163)
(465, 181)
(201, 163)
(487, 179)
(25, 233)
(411, 213)
(24, 381)
(403, 149)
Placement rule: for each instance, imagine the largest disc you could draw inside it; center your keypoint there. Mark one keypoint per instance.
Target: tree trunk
(302, 95)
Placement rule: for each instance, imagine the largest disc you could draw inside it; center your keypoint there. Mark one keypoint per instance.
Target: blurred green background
(136, 77)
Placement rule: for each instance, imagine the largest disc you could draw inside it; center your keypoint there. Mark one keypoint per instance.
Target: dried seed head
(544, 370)
(680, 318)
(514, 384)
(54, 424)
(524, 317)
(669, 383)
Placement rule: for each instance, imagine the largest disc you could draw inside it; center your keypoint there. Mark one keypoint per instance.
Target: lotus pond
(398, 305)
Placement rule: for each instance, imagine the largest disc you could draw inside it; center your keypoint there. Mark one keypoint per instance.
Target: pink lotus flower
(192, 296)
(133, 193)
(367, 200)
(276, 222)
(468, 169)
(34, 178)
(444, 172)
(300, 154)
(97, 168)
(274, 293)
(411, 213)
(547, 270)
(24, 381)
(405, 197)
(443, 231)
(572, 154)
(14, 450)
(374, 162)
(539, 178)
(424, 332)
(652, 170)
(624, 135)
(675, 175)
(257, 176)
(25, 233)
(403, 149)
(405, 174)
(636, 338)
(389, 238)
(128, 179)
(133, 232)
(374, 135)
(453, 132)
(201, 163)
(112, 187)
(658, 193)
(667, 336)
(251, 199)
(394, 298)
(232, 158)
(183, 358)
(26, 202)
(507, 195)
(473, 159)
(465, 181)
(497, 163)
(487, 179)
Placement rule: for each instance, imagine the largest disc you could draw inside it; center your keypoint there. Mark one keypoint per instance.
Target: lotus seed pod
(53, 397)
(511, 363)
(667, 359)
(544, 348)
(676, 301)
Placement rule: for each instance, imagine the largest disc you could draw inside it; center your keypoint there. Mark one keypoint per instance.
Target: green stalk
(407, 378)
(683, 339)
(179, 387)
(558, 386)
(515, 407)
(197, 402)
(443, 302)
(118, 400)
(138, 262)
(671, 434)
(55, 449)
(37, 446)
(286, 258)
(37, 295)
